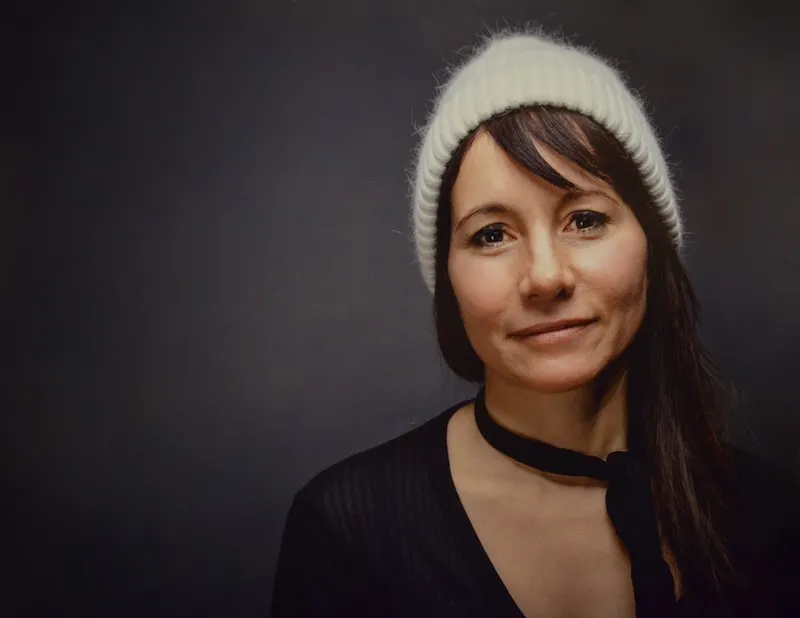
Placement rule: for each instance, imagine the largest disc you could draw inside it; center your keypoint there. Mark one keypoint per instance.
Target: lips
(551, 327)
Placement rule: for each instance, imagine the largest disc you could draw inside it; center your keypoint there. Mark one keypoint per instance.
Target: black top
(384, 533)
(629, 503)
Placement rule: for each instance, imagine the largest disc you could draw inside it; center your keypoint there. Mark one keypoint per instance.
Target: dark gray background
(213, 294)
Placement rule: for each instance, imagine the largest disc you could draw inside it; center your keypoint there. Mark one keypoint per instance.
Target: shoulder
(381, 476)
(768, 548)
(770, 503)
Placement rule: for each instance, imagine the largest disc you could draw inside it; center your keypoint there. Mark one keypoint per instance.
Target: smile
(554, 333)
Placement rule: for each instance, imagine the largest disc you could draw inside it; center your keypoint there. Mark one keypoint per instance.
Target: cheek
(618, 273)
(483, 289)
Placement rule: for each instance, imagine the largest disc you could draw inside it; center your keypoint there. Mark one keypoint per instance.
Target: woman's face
(551, 284)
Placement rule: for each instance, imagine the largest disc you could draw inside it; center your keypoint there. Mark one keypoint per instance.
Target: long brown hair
(674, 388)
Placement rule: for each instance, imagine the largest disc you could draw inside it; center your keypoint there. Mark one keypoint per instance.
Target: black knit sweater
(383, 533)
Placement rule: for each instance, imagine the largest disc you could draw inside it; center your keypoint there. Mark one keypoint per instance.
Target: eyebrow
(495, 208)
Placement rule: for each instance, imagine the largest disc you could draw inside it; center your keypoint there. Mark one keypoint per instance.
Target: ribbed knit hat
(513, 70)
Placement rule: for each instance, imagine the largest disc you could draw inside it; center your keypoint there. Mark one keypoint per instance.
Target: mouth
(552, 332)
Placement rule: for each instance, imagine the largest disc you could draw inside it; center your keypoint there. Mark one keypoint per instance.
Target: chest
(561, 559)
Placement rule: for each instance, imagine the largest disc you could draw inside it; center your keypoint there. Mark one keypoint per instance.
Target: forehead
(488, 173)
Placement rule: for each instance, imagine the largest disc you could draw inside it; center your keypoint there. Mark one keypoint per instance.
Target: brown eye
(588, 221)
(489, 236)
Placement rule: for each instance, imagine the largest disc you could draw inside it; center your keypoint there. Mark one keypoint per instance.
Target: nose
(546, 275)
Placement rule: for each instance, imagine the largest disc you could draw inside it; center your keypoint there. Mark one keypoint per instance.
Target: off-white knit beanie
(513, 70)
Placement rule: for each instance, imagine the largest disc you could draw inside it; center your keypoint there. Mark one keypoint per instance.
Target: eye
(489, 236)
(587, 221)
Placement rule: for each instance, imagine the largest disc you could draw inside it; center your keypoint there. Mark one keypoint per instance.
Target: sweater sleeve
(317, 573)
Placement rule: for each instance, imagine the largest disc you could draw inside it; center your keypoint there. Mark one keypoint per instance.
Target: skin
(538, 255)
(546, 256)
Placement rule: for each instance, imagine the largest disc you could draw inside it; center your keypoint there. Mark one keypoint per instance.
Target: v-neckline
(457, 515)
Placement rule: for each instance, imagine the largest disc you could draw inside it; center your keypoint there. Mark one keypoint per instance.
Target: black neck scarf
(628, 501)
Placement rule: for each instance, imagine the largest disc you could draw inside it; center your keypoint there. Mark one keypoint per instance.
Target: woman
(589, 477)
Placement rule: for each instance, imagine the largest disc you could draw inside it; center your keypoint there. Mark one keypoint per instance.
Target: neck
(572, 419)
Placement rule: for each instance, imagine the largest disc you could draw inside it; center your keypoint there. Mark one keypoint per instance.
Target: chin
(552, 380)
(552, 386)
